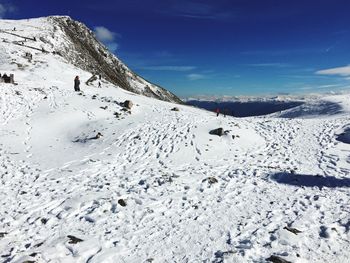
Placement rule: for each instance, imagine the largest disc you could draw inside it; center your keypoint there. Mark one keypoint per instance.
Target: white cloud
(112, 46)
(195, 76)
(106, 36)
(6, 9)
(340, 71)
(170, 68)
(2, 10)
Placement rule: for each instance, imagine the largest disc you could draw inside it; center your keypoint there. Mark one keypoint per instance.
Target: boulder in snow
(175, 109)
(218, 131)
(74, 240)
(128, 104)
(122, 202)
(98, 135)
(276, 259)
(292, 230)
(211, 180)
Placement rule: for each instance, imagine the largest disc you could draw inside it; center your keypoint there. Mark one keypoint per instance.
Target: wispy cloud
(198, 10)
(339, 71)
(6, 9)
(323, 87)
(195, 76)
(283, 52)
(270, 65)
(108, 37)
(169, 68)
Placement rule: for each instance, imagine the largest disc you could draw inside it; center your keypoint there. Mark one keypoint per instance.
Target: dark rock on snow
(74, 240)
(122, 202)
(292, 230)
(276, 259)
(211, 180)
(218, 131)
(98, 136)
(128, 104)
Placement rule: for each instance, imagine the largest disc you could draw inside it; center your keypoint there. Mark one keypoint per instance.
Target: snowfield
(157, 187)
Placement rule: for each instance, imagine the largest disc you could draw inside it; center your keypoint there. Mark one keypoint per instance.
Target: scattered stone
(218, 131)
(324, 232)
(128, 104)
(98, 135)
(44, 221)
(2, 234)
(233, 137)
(28, 261)
(74, 240)
(292, 230)
(175, 109)
(142, 182)
(117, 114)
(39, 244)
(211, 180)
(276, 259)
(104, 108)
(220, 255)
(90, 80)
(122, 202)
(33, 255)
(94, 97)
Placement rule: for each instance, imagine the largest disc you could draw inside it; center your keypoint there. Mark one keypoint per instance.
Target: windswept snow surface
(188, 196)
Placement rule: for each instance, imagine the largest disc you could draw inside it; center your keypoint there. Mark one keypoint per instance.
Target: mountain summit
(61, 36)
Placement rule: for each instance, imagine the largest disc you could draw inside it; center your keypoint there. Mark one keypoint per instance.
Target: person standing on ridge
(77, 83)
(217, 112)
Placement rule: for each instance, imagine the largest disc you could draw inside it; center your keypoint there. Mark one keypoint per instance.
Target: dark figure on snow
(77, 83)
(99, 84)
(217, 112)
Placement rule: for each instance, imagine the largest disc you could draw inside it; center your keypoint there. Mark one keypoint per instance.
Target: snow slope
(156, 187)
(71, 40)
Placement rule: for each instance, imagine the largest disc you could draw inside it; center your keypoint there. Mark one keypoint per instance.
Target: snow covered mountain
(73, 41)
(84, 179)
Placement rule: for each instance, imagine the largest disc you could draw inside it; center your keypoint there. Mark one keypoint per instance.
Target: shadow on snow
(303, 180)
(344, 136)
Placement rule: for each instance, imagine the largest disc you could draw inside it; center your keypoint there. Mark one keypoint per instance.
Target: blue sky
(222, 47)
